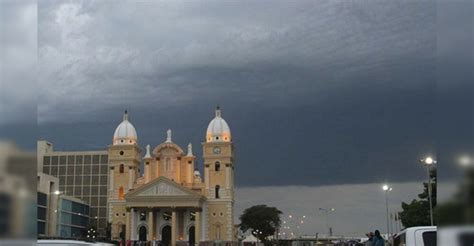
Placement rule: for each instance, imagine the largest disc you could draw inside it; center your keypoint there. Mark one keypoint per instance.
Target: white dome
(125, 132)
(218, 129)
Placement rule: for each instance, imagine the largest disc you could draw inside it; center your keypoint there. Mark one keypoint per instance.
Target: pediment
(167, 149)
(161, 187)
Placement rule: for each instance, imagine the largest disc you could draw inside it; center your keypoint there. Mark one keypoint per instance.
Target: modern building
(47, 202)
(82, 175)
(73, 217)
(170, 202)
(59, 215)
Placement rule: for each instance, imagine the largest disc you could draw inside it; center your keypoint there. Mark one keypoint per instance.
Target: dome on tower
(218, 129)
(125, 133)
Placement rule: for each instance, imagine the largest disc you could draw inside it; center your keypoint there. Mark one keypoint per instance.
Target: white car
(456, 235)
(416, 236)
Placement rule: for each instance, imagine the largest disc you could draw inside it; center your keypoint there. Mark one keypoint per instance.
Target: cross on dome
(168, 136)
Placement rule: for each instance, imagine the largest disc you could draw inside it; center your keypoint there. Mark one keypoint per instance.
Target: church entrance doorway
(142, 233)
(192, 236)
(166, 236)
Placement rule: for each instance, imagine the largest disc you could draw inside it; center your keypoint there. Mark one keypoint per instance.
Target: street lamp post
(327, 218)
(387, 188)
(428, 162)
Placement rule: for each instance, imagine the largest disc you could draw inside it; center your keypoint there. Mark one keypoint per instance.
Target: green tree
(262, 221)
(417, 212)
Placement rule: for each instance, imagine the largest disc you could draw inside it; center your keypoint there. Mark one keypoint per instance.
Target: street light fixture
(429, 162)
(327, 218)
(465, 161)
(387, 189)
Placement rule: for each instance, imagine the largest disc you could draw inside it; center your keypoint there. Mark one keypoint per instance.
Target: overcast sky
(317, 93)
(322, 92)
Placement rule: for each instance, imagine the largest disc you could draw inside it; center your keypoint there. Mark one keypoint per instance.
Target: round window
(121, 152)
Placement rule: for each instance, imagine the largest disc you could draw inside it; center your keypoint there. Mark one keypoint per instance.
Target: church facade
(170, 202)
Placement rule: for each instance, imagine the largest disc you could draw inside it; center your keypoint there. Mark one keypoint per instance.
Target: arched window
(121, 193)
(218, 232)
(217, 191)
(122, 167)
(217, 166)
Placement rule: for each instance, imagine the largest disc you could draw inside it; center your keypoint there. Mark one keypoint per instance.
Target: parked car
(416, 236)
(456, 235)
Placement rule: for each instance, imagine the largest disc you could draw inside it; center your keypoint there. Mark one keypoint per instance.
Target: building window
(167, 216)
(121, 168)
(121, 152)
(218, 232)
(121, 193)
(192, 216)
(217, 191)
(143, 216)
(217, 166)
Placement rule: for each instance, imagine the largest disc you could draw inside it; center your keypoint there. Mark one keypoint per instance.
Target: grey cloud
(321, 92)
(99, 53)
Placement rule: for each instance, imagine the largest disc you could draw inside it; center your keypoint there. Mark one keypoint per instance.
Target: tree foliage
(261, 220)
(417, 212)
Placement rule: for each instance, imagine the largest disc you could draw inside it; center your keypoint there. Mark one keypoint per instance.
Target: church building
(170, 202)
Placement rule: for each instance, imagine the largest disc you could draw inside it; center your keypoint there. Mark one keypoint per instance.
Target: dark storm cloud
(315, 93)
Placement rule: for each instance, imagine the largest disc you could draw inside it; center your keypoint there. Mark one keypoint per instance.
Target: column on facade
(133, 225)
(173, 227)
(128, 225)
(111, 177)
(130, 178)
(197, 225)
(147, 173)
(206, 172)
(190, 172)
(151, 226)
(227, 176)
(177, 171)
